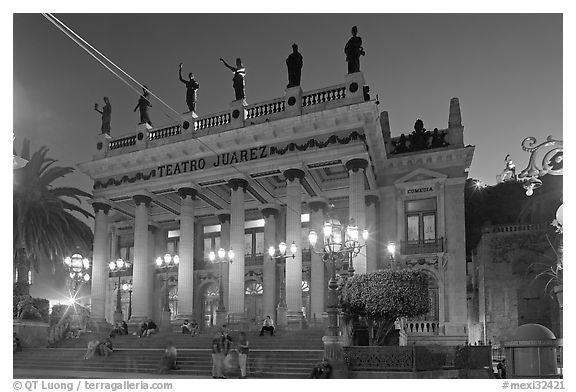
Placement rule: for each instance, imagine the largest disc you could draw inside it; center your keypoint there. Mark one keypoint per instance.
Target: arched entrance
(253, 301)
(209, 304)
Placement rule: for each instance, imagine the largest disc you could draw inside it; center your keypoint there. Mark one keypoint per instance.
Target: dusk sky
(506, 69)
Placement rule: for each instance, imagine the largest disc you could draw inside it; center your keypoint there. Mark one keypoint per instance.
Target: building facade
(255, 175)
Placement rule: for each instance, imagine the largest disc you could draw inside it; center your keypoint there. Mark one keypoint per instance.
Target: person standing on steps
(267, 325)
(243, 348)
(217, 355)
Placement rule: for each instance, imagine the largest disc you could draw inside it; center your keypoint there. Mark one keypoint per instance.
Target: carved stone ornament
(223, 218)
(421, 261)
(292, 174)
(236, 183)
(139, 199)
(101, 207)
(269, 211)
(370, 199)
(356, 164)
(317, 205)
(186, 191)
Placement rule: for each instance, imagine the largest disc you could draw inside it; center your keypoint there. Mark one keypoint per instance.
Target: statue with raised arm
(191, 87)
(354, 50)
(106, 113)
(238, 79)
(294, 63)
(143, 105)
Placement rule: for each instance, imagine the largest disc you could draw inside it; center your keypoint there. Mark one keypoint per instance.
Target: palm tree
(45, 225)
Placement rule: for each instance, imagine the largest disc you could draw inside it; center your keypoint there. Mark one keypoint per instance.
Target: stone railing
(426, 327)
(165, 132)
(514, 228)
(214, 120)
(393, 358)
(266, 108)
(122, 142)
(421, 247)
(323, 95)
(295, 103)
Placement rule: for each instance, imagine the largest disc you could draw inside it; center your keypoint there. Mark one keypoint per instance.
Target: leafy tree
(46, 227)
(381, 297)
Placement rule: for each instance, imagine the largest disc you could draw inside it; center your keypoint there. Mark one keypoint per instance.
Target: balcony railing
(292, 104)
(422, 327)
(420, 247)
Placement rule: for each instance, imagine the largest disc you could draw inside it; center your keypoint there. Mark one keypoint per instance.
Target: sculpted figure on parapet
(143, 105)
(238, 79)
(354, 50)
(192, 87)
(294, 63)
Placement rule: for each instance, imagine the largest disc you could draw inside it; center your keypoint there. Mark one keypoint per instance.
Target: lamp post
(166, 263)
(78, 268)
(280, 254)
(341, 243)
(117, 267)
(222, 255)
(128, 287)
(392, 251)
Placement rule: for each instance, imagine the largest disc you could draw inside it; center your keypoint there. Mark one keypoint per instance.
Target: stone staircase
(288, 354)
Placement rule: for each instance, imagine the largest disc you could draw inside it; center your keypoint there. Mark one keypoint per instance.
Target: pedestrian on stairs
(243, 348)
(217, 355)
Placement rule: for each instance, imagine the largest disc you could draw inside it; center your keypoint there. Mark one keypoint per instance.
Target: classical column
(317, 285)
(100, 264)
(186, 254)
(158, 246)
(270, 214)
(224, 219)
(372, 227)
(236, 274)
(357, 209)
(141, 278)
(294, 235)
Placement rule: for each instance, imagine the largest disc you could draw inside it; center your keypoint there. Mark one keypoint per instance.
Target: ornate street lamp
(166, 263)
(552, 162)
(341, 243)
(280, 254)
(392, 251)
(117, 267)
(78, 268)
(128, 287)
(223, 257)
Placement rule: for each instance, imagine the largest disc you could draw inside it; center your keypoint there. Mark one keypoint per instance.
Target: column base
(99, 326)
(118, 317)
(166, 325)
(295, 319)
(281, 317)
(334, 353)
(221, 317)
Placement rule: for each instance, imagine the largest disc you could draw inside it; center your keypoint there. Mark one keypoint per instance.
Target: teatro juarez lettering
(225, 159)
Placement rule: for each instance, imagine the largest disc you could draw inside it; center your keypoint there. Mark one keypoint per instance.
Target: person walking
(243, 348)
(217, 355)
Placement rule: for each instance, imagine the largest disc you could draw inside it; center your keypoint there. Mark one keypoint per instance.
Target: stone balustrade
(316, 100)
(426, 327)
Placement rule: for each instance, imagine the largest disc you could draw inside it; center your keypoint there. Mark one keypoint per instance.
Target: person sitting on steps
(267, 325)
(186, 327)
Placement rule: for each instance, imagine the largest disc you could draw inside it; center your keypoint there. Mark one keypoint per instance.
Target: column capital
(187, 191)
(268, 210)
(223, 216)
(101, 206)
(318, 203)
(356, 164)
(139, 199)
(292, 174)
(236, 183)
(371, 199)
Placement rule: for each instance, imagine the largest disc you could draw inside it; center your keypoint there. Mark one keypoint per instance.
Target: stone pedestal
(295, 320)
(188, 120)
(334, 353)
(281, 317)
(294, 101)
(237, 113)
(165, 325)
(355, 87)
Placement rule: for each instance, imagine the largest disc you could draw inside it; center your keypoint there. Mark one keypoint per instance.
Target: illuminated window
(254, 288)
(421, 220)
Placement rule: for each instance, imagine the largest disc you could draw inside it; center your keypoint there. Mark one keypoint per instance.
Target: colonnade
(362, 208)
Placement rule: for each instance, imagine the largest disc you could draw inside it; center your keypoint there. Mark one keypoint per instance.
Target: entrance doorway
(253, 302)
(209, 305)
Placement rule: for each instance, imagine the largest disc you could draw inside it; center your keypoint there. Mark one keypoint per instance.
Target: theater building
(255, 175)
